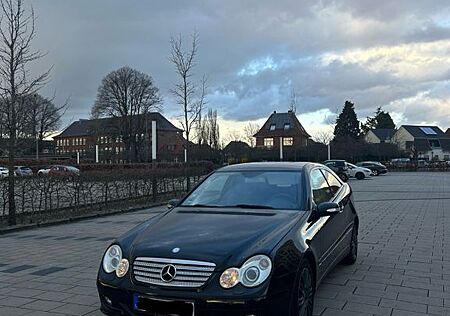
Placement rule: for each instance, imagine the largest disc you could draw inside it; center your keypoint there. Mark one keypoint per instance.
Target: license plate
(162, 307)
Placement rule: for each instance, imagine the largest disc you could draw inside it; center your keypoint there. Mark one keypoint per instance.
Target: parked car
(339, 167)
(376, 167)
(421, 163)
(64, 171)
(44, 171)
(21, 171)
(401, 162)
(250, 239)
(359, 173)
(4, 172)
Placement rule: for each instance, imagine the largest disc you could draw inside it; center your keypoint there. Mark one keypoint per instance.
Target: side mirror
(328, 209)
(172, 203)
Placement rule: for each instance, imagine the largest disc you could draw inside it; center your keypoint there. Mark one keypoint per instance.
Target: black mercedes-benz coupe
(250, 239)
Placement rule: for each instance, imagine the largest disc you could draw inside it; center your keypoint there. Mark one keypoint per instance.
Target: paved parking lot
(403, 266)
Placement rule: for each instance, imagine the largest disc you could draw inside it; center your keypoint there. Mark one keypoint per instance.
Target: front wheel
(303, 299)
(375, 172)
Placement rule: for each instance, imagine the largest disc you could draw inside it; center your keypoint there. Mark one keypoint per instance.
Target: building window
(272, 127)
(287, 126)
(170, 147)
(434, 143)
(288, 141)
(446, 157)
(268, 142)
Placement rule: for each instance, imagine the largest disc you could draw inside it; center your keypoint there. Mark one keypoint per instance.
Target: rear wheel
(375, 172)
(303, 299)
(343, 177)
(353, 252)
(360, 176)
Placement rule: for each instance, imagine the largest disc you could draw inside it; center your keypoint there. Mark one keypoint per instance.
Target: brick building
(83, 136)
(282, 127)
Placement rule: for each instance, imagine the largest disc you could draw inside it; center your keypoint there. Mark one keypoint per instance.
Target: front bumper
(118, 301)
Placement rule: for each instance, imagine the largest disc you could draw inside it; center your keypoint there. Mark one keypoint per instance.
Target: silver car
(4, 172)
(21, 171)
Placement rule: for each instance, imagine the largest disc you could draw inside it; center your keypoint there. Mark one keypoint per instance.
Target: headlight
(252, 273)
(112, 258)
(229, 278)
(122, 268)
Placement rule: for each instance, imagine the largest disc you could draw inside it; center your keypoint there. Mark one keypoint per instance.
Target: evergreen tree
(347, 124)
(381, 119)
(384, 120)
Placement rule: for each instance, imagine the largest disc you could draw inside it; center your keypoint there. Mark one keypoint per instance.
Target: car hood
(222, 236)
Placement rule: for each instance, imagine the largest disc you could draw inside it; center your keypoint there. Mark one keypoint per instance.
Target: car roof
(268, 166)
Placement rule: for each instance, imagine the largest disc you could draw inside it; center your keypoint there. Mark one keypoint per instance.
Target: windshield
(249, 189)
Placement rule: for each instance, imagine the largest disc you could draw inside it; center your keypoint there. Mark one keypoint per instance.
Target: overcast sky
(394, 54)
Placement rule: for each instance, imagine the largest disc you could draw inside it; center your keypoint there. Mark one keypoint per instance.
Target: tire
(353, 252)
(360, 176)
(343, 177)
(304, 291)
(375, 172)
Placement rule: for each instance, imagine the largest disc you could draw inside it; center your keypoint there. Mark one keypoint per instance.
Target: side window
(334, 183)
(320, 188)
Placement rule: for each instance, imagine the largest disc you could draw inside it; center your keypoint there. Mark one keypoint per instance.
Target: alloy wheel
(354, 245)
(305, 293)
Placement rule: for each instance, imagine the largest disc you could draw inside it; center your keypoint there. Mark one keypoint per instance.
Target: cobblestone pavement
(403, 266)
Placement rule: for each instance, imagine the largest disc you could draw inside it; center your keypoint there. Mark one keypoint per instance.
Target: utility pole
(37, 148)
(154, 139)
(281, 148)
(329, 151)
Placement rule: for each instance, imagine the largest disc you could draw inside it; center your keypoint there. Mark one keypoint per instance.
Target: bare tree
(250, 130)
(323, 136)
(186, 91)
(293, 101)
(209, 131)
(17, 31)
(129, 95)
(43, 118)
(234, 136)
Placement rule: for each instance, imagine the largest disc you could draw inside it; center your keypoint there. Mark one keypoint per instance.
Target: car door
(331, 238)
(317, 239)
(338, 227)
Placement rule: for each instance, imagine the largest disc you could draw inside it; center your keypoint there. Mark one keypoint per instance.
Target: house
(83, 136)
(236, 151)
(284, 129)
(425, 142)
(379, 135)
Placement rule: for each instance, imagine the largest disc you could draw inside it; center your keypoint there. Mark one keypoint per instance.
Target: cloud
(376, 53)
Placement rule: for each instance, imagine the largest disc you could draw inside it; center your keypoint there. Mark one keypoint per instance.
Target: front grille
(189, 273)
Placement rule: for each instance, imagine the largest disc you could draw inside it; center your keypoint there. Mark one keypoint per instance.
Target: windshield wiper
(201, 205)
(254, 206)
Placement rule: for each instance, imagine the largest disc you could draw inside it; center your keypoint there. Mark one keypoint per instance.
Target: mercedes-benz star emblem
(176, 250)
(168, 273)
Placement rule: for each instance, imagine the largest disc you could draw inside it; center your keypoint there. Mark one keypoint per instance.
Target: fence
(44, 198)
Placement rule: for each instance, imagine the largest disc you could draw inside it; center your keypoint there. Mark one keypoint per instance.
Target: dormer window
(287, 126)
(272, 127)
